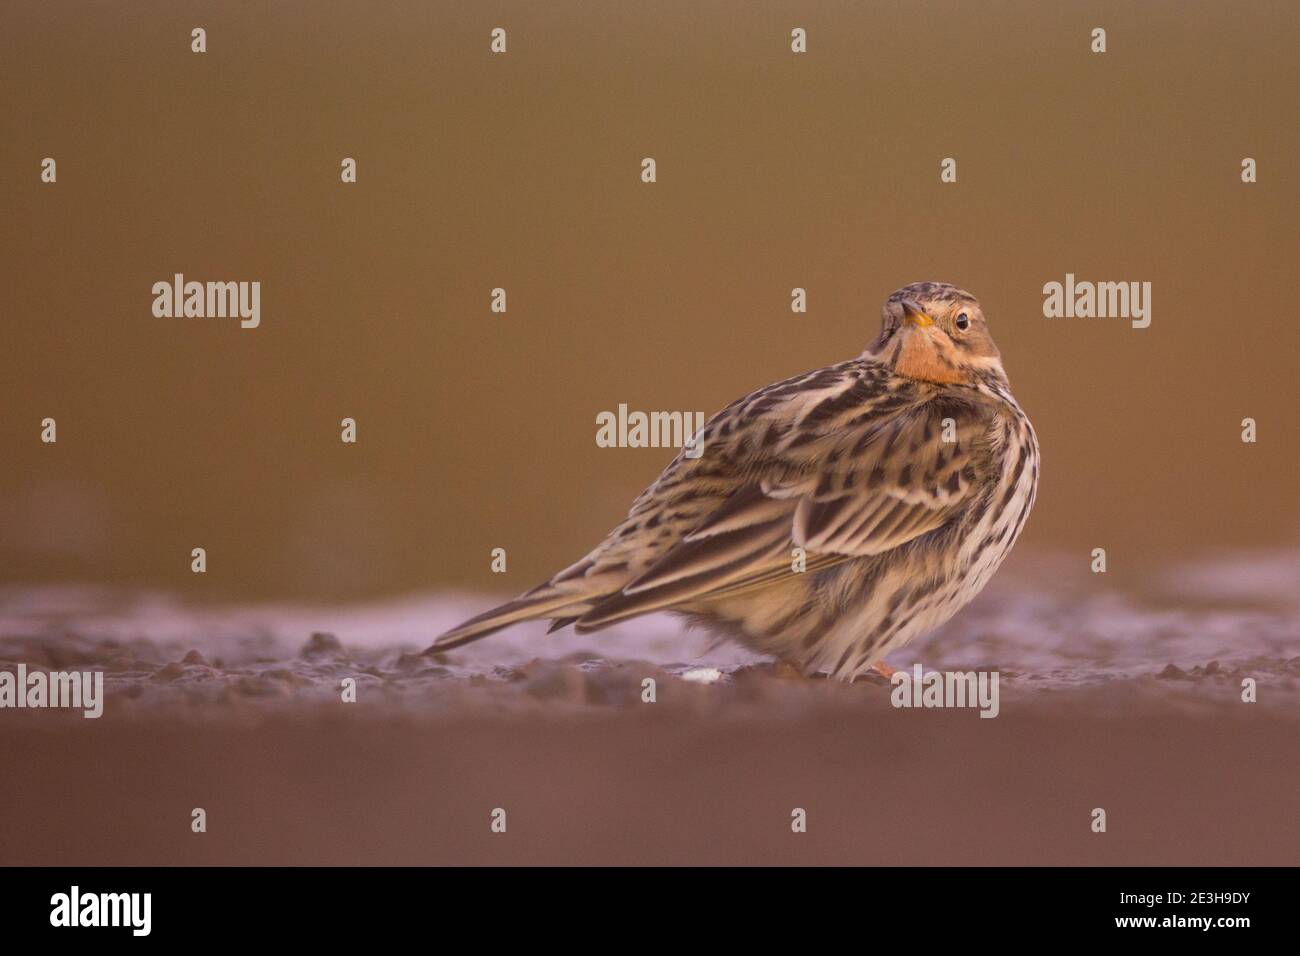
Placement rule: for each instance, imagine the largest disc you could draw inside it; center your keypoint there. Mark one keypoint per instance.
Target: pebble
(322, 643)
(169, 671)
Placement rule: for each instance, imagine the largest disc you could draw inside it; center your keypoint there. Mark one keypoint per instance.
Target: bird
(827, 519)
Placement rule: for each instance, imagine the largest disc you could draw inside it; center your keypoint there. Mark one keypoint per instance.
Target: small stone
(706, 675)
(288, 676)
(1172, 673)
(169, 671)
(322, 643)
(194, 657)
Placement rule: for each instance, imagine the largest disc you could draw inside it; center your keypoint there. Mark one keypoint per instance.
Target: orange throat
(920, 358)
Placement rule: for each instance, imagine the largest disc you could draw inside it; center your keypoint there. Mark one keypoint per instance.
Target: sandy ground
(1108, 699)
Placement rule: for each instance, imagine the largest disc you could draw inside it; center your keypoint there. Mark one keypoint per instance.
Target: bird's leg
(884, 670)
(789, 671)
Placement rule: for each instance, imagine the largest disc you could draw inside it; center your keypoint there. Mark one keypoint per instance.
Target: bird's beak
(914, 315)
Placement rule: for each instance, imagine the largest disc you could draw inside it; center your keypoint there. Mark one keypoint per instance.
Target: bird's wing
(847, 462)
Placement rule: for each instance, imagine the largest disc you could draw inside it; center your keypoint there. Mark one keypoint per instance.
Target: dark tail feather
(523, 608)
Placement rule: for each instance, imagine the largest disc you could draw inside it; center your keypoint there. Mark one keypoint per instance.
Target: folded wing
(847, 492)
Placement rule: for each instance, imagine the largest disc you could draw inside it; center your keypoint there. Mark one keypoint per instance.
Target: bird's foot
(884, 670)
(787, 671)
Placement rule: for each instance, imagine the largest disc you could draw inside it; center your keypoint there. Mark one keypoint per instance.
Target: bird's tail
(545, 601)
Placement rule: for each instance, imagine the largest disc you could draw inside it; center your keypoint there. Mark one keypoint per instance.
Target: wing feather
(842, 493)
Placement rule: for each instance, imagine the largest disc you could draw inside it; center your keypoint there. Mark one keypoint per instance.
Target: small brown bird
(831, 517)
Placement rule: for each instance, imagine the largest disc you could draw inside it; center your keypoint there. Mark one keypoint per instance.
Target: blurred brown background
(522, 171)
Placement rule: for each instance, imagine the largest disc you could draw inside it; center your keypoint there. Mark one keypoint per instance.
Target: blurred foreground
(1130, 702)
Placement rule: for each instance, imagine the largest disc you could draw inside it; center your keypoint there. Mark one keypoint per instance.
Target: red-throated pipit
(831, 517)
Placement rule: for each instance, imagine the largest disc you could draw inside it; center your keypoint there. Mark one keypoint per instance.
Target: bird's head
(935, 332)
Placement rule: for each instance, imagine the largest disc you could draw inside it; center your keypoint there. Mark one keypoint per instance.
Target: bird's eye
(963, 321)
